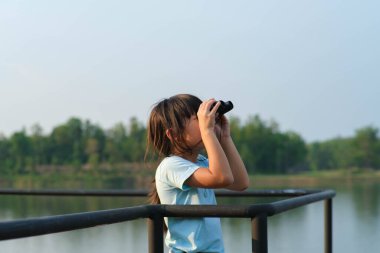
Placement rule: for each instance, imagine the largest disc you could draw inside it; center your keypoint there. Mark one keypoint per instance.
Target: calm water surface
(356, 218)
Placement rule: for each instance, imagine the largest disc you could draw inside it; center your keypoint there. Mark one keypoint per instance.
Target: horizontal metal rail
(155, 213)
(144, 193)
(61, 223)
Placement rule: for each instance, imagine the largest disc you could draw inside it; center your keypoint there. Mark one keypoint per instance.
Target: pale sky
(312, 66)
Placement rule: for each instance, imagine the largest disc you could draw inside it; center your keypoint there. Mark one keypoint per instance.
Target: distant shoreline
(316, 179)
(127, 179)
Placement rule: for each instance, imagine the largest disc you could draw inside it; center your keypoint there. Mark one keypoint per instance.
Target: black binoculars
(224, 107)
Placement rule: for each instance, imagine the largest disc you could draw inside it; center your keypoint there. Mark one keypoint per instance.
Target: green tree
(134, 144)
(367, 148)
(265, 149)
(20, 151)
(5, 156)
(337, 153)
(291, 152)
(38, 145)
(94, 135)
(92, 151)
(67, 144)
(116, 136)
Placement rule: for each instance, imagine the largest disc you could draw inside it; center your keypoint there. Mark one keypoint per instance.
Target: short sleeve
(175, 171)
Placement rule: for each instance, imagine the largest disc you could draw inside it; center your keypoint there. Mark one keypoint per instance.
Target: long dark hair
(169, 114)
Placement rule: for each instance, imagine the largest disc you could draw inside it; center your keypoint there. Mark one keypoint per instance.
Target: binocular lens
(224, 107)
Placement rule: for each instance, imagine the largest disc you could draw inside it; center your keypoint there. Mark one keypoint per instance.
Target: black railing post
(259, 234)
(156, 234)
(328, 226)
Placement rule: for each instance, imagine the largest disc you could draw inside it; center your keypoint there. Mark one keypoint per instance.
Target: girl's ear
(168, 133)
(172, 136)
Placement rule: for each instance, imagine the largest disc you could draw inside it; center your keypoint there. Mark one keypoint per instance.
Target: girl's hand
(206, 117)
(222, 128)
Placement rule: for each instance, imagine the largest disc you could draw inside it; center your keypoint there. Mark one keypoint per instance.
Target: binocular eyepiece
(224, 107)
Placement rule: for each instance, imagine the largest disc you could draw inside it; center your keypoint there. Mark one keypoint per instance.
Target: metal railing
(258, 213)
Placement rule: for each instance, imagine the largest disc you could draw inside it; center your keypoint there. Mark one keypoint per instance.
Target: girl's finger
(202, 105)
(210, 102)
(215, 108)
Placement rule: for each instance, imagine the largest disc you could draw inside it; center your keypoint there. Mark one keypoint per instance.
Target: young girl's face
(192, 134)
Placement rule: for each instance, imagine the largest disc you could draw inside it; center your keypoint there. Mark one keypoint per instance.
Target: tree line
(263, 147)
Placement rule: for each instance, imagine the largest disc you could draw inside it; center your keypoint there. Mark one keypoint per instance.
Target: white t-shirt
(187, 234)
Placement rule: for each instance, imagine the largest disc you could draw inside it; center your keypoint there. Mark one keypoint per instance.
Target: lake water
(356, 224)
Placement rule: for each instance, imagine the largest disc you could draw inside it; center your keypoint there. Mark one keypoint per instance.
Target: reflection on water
(356, 222)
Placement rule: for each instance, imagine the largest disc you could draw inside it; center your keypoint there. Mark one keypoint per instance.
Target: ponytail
(154, 199)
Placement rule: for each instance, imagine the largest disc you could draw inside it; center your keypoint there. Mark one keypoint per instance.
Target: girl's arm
(241, 179)
(219, 174)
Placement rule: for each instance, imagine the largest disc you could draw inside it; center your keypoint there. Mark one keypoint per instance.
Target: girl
(179, 128)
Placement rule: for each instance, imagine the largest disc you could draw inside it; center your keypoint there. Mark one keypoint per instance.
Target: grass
(317, 179)
(100, 179)
(78, 179)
